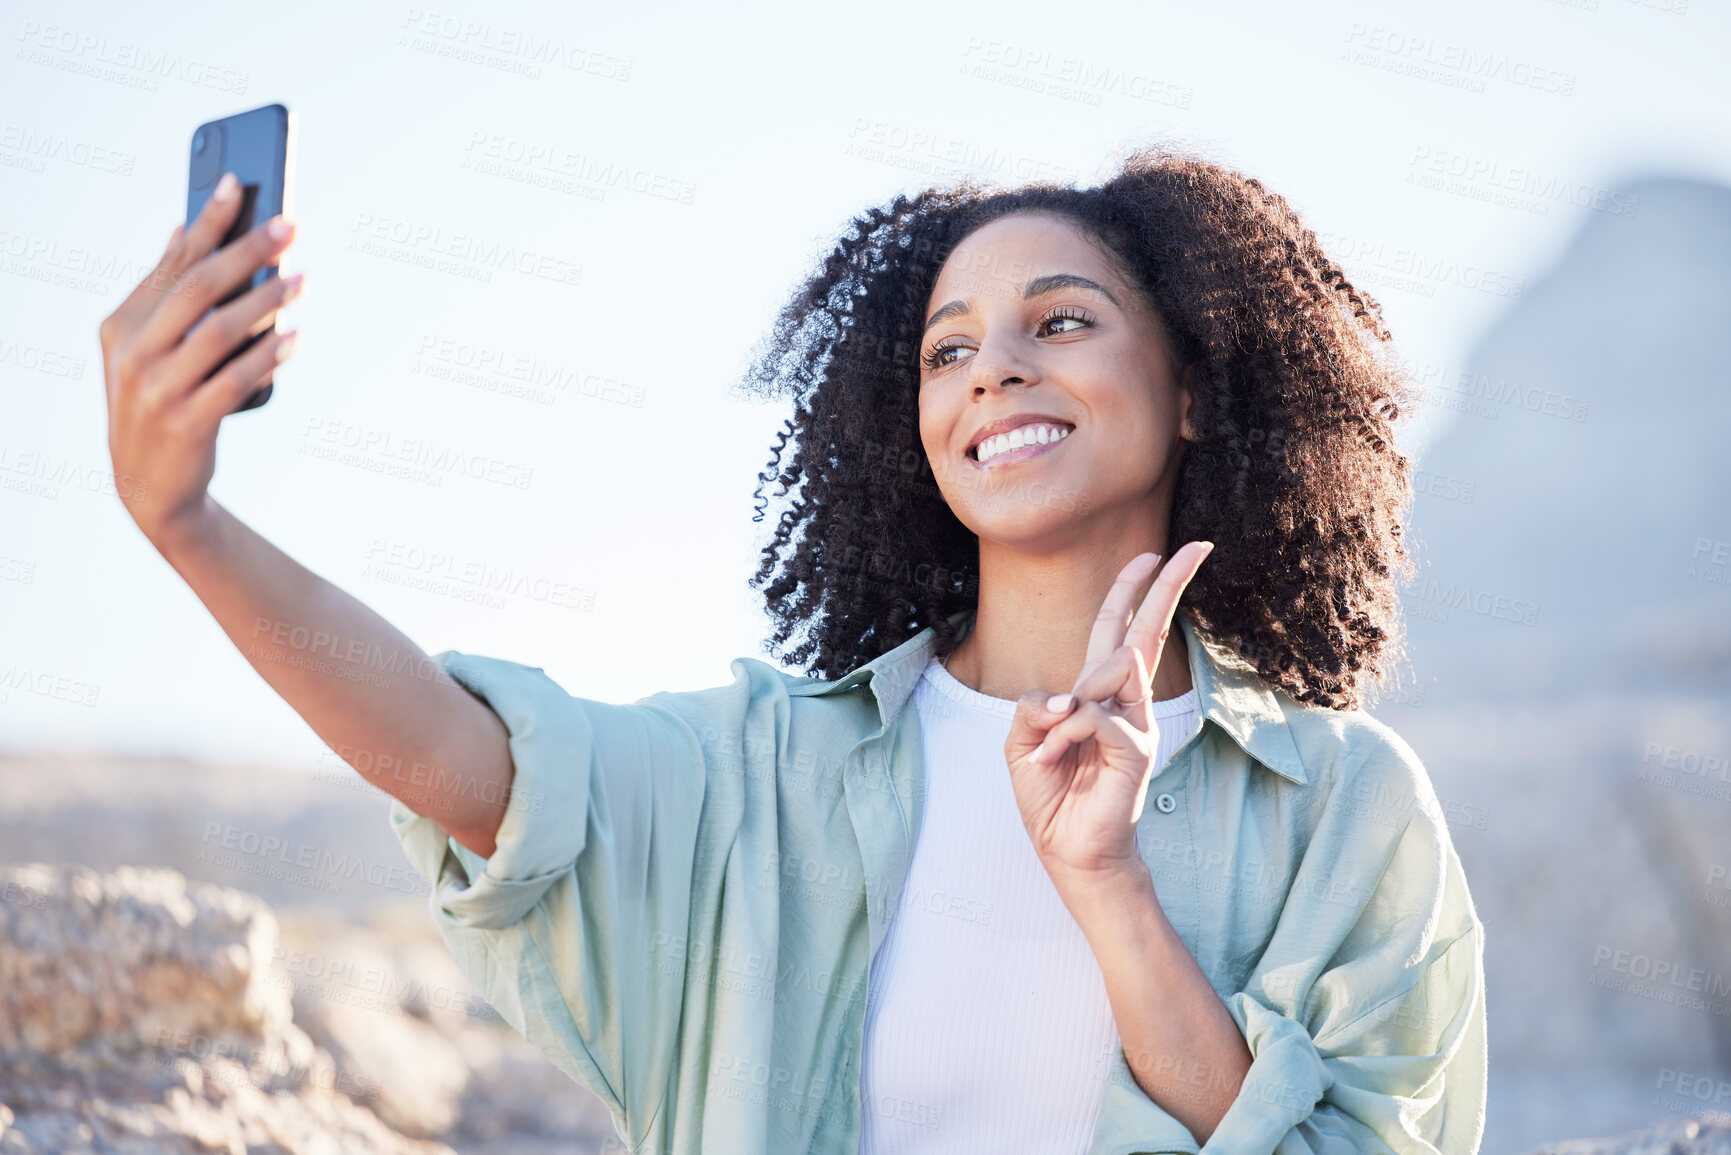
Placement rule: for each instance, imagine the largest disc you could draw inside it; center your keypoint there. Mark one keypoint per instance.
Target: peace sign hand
(1080, 772)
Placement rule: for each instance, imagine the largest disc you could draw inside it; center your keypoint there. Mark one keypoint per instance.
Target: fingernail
(1058, 703)
(226, 187)
(287, 345)
(1038, 755)
(291, 286)
(279, 229)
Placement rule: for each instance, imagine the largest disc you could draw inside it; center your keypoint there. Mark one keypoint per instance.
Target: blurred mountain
(1593, 444)
(1570, 636)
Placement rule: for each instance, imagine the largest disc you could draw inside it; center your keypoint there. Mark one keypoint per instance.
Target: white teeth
(1017, 438)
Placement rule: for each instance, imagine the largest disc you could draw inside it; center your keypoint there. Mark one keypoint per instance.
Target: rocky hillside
(140, 1012)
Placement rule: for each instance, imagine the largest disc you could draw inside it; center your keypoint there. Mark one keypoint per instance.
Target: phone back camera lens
(207, 155)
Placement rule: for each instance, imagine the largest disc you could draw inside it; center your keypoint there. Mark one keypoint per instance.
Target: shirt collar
(1228, 691)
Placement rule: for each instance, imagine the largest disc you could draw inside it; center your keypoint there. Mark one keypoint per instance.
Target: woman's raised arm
(369, 692)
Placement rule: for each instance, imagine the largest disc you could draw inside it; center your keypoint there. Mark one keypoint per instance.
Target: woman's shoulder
(1351, 754)
(761, 696)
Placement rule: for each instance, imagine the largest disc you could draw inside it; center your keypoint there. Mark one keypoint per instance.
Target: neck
(1036, 612)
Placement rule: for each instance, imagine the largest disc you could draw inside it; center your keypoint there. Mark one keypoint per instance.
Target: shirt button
(1166, 804)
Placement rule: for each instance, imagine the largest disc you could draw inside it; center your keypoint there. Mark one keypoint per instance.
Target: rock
(136, 1015)
(390, 997)
(377, 1011)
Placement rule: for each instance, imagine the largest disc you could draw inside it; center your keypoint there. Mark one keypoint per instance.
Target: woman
(918, 900)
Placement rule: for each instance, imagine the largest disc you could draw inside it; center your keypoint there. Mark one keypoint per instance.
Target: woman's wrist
(185, 531)
(1103, 903)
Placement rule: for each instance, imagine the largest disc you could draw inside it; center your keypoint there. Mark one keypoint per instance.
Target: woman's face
(1031, 327)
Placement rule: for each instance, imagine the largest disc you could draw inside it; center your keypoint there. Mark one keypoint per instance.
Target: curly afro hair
(1294, 474)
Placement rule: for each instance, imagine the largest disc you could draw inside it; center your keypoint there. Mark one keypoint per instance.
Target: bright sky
(1446, 152)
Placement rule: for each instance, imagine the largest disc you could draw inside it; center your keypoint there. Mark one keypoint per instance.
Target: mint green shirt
(688, 890)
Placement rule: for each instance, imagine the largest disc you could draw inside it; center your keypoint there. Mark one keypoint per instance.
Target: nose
(1000, 365)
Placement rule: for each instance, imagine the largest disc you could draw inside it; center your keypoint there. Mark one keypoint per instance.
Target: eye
(1076, 317)
(935, 359)
(1073, 320)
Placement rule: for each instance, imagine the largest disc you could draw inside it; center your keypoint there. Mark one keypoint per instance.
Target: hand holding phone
(191, 344)
(257, 146)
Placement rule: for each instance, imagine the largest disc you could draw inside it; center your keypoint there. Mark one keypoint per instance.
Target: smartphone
(259, 148)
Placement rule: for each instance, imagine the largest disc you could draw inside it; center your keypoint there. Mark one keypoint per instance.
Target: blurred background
(1538, 192)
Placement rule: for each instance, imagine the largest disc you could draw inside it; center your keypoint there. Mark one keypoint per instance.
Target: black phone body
(258, 147)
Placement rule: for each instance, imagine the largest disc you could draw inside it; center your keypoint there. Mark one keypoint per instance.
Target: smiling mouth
(1020, 444)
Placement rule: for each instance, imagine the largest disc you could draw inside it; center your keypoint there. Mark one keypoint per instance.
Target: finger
(237, 380)
(215, 337)
(210, 280)
(187, 244)
(1121, 682)
(1108, 632)
(1114, 734)
(209, 226)
(1153, 621)
(1108, 677)
(1033, 719)
(138, 303)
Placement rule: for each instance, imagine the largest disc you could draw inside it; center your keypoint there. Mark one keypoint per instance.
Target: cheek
(934, 426)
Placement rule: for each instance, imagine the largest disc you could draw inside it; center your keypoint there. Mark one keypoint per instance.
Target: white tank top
(987, 1024)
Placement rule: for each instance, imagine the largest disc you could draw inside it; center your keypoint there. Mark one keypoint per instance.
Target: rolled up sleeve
(1408, 1076)
(1366, 1028)
(566, 928)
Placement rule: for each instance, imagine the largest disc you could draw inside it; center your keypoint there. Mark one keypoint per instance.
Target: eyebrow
(1034, 288)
